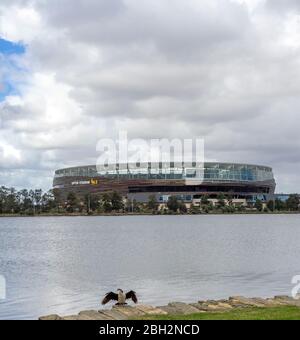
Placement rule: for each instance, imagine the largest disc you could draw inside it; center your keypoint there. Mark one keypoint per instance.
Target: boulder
(150, 310)
(243, 302)
(168, 310)
(183, 308)
(92, 315)
(178, 308)
(73, 317)
(287, 300)
(113, 314)
(51, 317)
(128, 311)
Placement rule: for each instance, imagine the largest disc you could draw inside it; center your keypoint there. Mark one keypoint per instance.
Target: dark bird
(120, 297)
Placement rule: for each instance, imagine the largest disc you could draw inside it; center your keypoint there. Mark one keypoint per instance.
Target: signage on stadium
(94, 182)
(90, 182)
(81, 183)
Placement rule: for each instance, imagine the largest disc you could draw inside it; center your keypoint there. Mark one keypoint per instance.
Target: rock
(168, 310)
(178, 308)
(282, 297)
(213, 305)
(72, 318)
(183, 308)
(87, 315)
(224, 305)
(268, 303)
(92, 315)
(150, 310)
(50, 317)
(113, 314)
(275, 303)
(287, 301)
(214, 308)
(218, 304)
(128, 311)
(201, 306)
(243, 302)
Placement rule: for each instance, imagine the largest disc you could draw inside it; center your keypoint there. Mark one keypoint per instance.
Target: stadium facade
(244, 183)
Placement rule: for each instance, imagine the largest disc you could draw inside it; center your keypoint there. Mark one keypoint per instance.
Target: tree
(25, 200)
(230, 209)
(137, 207)
(280, 205)
(11, 203)
(48, 201)
(31, 196)
(182, 208)
(2, 199)
(106, 203)
(240, 208)
(258, 205)
(116, 202)
(271, 205)
(293, 202)
(152, 203)
(72, 202)
(91, 202)
(37, 198)
(173, 204)
(204, 200)
(221, 200)
(59, 200)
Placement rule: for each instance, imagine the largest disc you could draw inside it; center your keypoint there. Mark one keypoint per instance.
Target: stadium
(244, 183)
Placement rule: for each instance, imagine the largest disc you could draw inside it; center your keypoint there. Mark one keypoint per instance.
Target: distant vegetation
(37, 202)
(27, 202)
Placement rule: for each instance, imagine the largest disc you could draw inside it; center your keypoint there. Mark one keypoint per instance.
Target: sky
(72, 72)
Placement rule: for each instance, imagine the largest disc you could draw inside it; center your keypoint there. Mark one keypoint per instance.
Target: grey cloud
(175, 28)
(283, 5)
(67, 14)
(158, 69)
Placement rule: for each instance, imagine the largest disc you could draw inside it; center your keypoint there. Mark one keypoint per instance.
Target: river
(66, 264)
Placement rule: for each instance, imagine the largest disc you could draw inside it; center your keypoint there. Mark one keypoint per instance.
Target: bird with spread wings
(120, 297)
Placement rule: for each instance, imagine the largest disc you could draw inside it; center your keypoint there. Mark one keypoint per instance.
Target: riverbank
(276, 313)
(235, 308)
(150, 214)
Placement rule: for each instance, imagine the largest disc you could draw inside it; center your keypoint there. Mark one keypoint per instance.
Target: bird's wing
(108, 297)
(132, 295)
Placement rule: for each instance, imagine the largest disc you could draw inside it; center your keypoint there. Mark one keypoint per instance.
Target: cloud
(284, 5)
(225, 70)
(19, 23)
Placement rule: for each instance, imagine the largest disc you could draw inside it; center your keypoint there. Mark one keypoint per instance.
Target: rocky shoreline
(178, 308)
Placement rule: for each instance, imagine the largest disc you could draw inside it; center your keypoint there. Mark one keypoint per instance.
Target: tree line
(33, 202)
(26, 201)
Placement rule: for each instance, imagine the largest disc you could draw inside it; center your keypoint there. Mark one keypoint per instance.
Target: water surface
(66, 264)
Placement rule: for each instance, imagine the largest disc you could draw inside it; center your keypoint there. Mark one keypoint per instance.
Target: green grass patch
(278, 313)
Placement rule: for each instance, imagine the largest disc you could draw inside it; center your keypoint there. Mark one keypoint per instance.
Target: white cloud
(9, 155)
(19, 23)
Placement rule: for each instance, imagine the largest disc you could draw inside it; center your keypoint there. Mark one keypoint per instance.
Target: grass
(276, 313)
